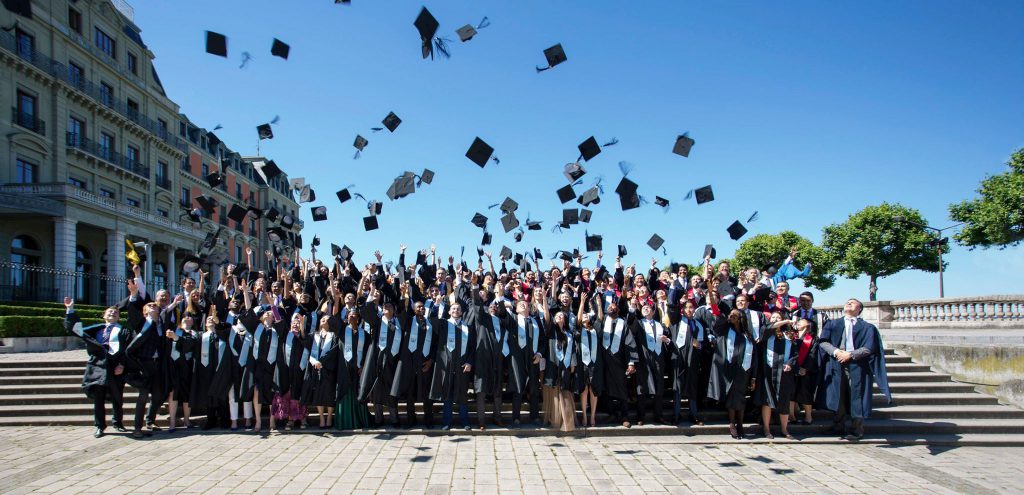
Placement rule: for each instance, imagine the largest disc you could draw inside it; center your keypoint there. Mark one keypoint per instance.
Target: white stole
(588, 344)
(613, 333)
(653, 331)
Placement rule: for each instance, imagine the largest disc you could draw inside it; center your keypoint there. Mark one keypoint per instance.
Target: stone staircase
(928, 404)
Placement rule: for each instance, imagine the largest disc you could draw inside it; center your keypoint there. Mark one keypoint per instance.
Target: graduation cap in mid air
(736, 230)
(554, 55)
(480, 152)
(570, 216)
(594, 242)
(427, 176)
(486, 241)
(585, 215)
(589, 149)
(573, 171)
(391, 122)
(468, 31)
(532, 225)
(370, 223)
(359, 144)
(344, 195)
(509, 222)
(280, 49)
(566, 193)
(590, 196)
(628, 197)
(683, 145)
(622, 251)
(479, 220)
(402, 186)
(662, 202)
(709, 251)
(257, 212)
(215, 179)
(427, 26)
(307, 194)
(319, 213)
(208, 204)
(265, 131)
(704, 195)
(238, 212)
(509, 205)
(272, 214)
(216, 44)
(191, 264)
(266, 169)
(505, 253)
(656, 243)
(287, 221)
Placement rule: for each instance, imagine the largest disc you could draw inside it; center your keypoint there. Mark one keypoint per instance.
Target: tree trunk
(873, 289)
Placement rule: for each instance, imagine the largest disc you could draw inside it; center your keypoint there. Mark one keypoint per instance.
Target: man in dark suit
(105, 342)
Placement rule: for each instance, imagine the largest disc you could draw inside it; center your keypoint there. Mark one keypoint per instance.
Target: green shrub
(51, 304)
(36, 326)
(55, 312)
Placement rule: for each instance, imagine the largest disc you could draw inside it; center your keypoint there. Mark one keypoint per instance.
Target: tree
(997, 217)
(771, 249)
(871, 242)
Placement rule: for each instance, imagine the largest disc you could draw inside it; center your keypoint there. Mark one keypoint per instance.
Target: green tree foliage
(997, 217)
(772, 249)
(871, 242)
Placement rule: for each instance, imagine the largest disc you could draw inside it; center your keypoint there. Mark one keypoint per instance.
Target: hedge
(55, 312)
(51, 304)
(36, 326)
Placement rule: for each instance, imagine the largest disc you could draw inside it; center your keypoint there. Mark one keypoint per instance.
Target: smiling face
(111, 315)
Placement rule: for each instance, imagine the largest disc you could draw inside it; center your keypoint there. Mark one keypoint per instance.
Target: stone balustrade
(977, 312)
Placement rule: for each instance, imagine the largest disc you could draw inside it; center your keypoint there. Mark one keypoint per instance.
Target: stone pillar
(65, 240)
(172, 271)
(147, 267)
(116, 289)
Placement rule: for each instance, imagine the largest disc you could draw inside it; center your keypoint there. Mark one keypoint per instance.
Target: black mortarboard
(660, 201)
(344, 195)
(370, 223)
(216, 44)
(505, 253)
(585, 215)
(346, 252)
(316, 241)
(629, 200)
(280, 49)
(265, 131)
(275, 234)
(655, 242)
(533, 225)
(704, 195)
(273, 214)
(421, 258)
(466, 32)
(537, 255)
(518, 236)
(359, 144)
(375, 207)
(257, 212)
(571, 216)
(307, 194)
(335, 250)
(554, 55)
(594, 242)
(626, 186)
(427, 26)
(518, 259)
(565, 255)
(238, 213)
(683, 145)
(709, 251)
(402, 187)
(208, 204)
(509, 222)
(391, 121)
(590, 196)
(622, 251)
(566, 193)
(296, 183)
(486, 239)
(479, 220)
(319, 213)
(215, 179)
(479, 152)
(210, 241)
(190, 264)
(267, 169)
(589, 149)
(736, 230)
(297, 242)
(287, 221)
(573, 171)
(509, 205)
(427, 176)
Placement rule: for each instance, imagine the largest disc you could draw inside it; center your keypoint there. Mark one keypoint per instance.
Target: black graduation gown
(615, 356)
(592, 374)
(687, 360)
(558, 373)
(775, 387)
(146, 370)
(807, 384)
(379, 365)
(706, 317)
(448, 378)
(242, 364)
(263, 359)
(650, 363)
(320, 385)
(99, 369)
(292, 360)
(409, 370)
(865, 371)
(490, 370)
(212, 380)
(348, 369)
(729, 380)
(181, 363)
(521, 352)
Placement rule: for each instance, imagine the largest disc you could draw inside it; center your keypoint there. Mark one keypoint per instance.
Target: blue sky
(804, 111)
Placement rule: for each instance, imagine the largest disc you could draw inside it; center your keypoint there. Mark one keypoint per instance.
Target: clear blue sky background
(803, 110)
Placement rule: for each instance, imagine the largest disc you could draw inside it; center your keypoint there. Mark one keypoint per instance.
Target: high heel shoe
(733, 432)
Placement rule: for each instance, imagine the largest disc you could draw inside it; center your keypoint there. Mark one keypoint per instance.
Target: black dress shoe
(141, 434)
(98, 433)
(120, 429)
(152, 426)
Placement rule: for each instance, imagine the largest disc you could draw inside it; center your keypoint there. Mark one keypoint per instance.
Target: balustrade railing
(960, 312)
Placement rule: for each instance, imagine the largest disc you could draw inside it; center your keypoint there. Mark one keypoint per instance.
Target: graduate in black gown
(491, 350)
(616, 340)
(263, 359)
(144, 352)
(525, 337)
(650, 357)
(239, 317)
(291, 373)
(379, 367)
(590, 370)
(776, 383)
(453, 366)
(354, 342)
(689, 344)
(105, 343)
(180, 363)
(414, 373)
(213, 368)
(560, 373)
(320, 385)
(807, 372)
(734, 363)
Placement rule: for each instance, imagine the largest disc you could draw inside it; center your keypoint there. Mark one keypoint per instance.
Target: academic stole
(499, 336)
(414, 336)
(382, 338)
(534, 333)
(588, 343)
(650, 326)
(361, 331)
(289, 341)
(730, 347)
(272, 352)
(613, 333)
(776, 368)
(450, 344)
(243, 355)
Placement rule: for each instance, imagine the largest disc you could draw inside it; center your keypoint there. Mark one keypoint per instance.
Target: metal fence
(22, 282)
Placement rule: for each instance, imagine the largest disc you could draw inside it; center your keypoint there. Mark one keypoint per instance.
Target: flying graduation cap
(628, 197)
(280, 49)
(479, 220)
(402, 186)
(359, 144)
(480, 152)
(468, 31)
(594, 242)
(370, 223)
(589, 149)
(622, 251)
(319, 213)
(391, 122)
(509, 222)
(656, 243)
(585, 215)
(554, 55)
(427, 26)
(216, 44)
(307, 194)
(683, 145)
(566, 193)
(215, 179)
(736, 230)
(238, 213)
(573, 171)
(264, 131)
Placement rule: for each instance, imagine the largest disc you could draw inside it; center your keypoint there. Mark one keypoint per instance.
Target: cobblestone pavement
(69, 460)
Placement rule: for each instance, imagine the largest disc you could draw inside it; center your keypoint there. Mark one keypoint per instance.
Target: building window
(238, 191)
(186, 197)
(106, 193)
(26, 111)
(25, 172)
(133, 108)
(25, 251)
(76, 75)
(26, 44)
(106, 44)
(133, 155)
(223, 215)
(162, 212)
(181, 129)
(83, 266)
(77, 183)
(161, 175)
(159, 277)
(133, 203)
(184, 164)
(106, 145)
(133, 63)
(206, 170)
(252, 226)
(106, 94)
(239, 254)
(75, 20)
(76, 131)
(161, 128)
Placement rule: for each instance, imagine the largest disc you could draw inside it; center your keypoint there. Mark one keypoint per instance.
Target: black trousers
(481, 405)
(844, 398)
(113, 390)
(417, 390)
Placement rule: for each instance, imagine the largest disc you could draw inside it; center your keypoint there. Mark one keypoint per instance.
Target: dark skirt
(319, 388)
(181, 379)
(736, 396)
(805, 386)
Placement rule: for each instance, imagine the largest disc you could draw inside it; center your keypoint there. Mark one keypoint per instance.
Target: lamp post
(939, 242)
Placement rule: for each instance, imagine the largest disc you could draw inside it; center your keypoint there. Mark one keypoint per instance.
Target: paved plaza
(70, 460)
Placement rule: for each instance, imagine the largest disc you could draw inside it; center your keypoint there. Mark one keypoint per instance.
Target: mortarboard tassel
(442, 46)
(246, 58)
(217, 127)
(496, 160)
(643, 200)
(276, 119)
(753, 218)
(578, 182)
(376, 129)
(625, 168)
(597, 184)
(557, 228)
(462, 253)
(689, 194)
(613, 142)
(664, 251)
(356, 157)
(483, 23)
(542, 69)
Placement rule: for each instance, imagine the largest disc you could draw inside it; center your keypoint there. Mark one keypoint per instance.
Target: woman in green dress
(355, 340)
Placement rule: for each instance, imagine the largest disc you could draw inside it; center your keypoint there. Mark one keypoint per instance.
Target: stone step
(41, 371)
(920, 399)
(926, 376)
(66, 379)
(891, 368)
(79, 364)
(929, 387)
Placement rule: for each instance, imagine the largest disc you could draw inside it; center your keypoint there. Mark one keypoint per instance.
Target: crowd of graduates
(318, 343)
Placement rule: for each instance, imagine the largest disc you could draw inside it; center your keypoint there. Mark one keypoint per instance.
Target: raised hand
(248, 251)
(68, 303)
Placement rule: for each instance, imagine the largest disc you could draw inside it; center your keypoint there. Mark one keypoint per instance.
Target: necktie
(848, 334)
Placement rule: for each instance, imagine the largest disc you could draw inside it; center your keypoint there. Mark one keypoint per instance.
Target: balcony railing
(76, 80)
(28, 121)
(1003, 311)
(106, 154)
(163, 182)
